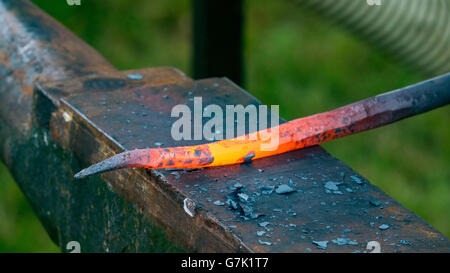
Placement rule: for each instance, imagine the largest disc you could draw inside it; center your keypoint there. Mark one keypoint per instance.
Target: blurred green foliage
(293, 58)
(20, 229)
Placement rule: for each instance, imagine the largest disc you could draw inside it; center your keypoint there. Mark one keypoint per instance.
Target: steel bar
(296, 134)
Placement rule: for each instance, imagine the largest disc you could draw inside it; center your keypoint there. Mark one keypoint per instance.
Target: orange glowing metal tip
(296, 134)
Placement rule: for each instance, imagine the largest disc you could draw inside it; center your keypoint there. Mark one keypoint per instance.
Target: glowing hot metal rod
(296, 134)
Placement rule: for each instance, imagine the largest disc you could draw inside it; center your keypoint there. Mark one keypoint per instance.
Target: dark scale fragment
(356, 179)
(266, 189)
(260, 233)
(383, 227)
(256, 215)
(375, 203)
(284, 189)
(332, 186)
(346, 231)
(248, 157)
(134, 77)
(344, 241)
(321, 244)
(232, 204)
(265, 242)
(247, 210)
(243, 197)
(404, 242)
(219, 203)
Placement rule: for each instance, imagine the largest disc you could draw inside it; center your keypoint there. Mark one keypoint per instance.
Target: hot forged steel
(296, 134)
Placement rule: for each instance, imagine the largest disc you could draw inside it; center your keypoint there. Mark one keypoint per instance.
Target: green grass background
(294, 59)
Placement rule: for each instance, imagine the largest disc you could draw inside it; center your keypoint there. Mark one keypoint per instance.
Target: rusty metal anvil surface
(330, 200)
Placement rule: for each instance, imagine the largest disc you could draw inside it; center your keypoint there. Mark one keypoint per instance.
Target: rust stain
(19, 74)
(4, 59)
(428, 233)
(27, 89)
